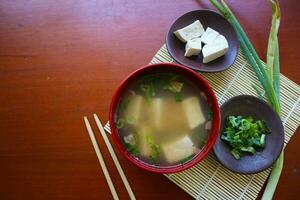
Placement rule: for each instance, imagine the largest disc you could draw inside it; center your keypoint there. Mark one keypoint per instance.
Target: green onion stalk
(268, 75)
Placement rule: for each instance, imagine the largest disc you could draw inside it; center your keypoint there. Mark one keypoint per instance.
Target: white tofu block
(209, 35)
(144, 148)
(134, 108)
(178, 150)
(215, 49)
(193, 47)
(193, 112)
(155, 112)
(189, 32)
(172, 114)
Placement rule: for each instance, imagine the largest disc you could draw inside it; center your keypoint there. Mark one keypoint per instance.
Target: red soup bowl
(186, 73)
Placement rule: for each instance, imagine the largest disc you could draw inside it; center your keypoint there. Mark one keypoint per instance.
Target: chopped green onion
(132, 149)
(209, 114)
(130, 119)
(263, 140)
(244, 135)
(236, 153)
(178, 97)
(154, 149)
(130, 144)
(148, 91)
(175, 87)
(120, 123)
(248, 149)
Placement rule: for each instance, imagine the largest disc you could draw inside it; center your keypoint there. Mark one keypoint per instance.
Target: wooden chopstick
(114, 157)
(100, 158)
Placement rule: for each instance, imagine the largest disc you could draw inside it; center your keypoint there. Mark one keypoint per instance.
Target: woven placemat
(209, 179)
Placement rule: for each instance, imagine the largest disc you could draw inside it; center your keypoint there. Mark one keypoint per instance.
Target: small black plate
(207, 18)
(246, 105)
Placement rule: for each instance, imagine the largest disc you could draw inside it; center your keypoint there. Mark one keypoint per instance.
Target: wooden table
(61, 60)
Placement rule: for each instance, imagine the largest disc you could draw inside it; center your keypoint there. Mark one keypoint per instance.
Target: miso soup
(163, 119)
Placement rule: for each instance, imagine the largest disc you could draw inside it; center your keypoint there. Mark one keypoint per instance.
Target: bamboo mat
(209, 179)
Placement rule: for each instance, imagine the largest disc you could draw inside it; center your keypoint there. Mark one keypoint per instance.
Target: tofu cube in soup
(155, 113)
(143, 132)
(193, 47)
(209, 35)
(191, 31)
(178, 150)
(173, 122)
(193, 112)
(215, 49)
(134, 109)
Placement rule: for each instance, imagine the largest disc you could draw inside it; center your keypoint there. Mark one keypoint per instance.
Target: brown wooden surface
(61, 60)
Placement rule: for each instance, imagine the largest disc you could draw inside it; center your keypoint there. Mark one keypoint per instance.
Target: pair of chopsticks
(101, 160)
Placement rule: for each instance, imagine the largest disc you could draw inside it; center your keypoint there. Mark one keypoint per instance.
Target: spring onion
(132, 149)
(244, 135)
(178, 97)
(148, 91)
(120, 123)
(154, 149)
(174, 86)
(269, 75)
(129, 119)
(209, 114)
(130, 144)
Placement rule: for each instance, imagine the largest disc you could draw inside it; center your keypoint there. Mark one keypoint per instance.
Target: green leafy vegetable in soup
(132, 149)
(178, 97)
(154, 149)
(120, 123)
(130, 119)
(174, 86)
(210, 114)
(244, 135)
(130, 144)
(148, 91)
(127, 120)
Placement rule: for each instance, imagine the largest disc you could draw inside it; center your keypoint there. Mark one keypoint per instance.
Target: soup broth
(163, 119)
